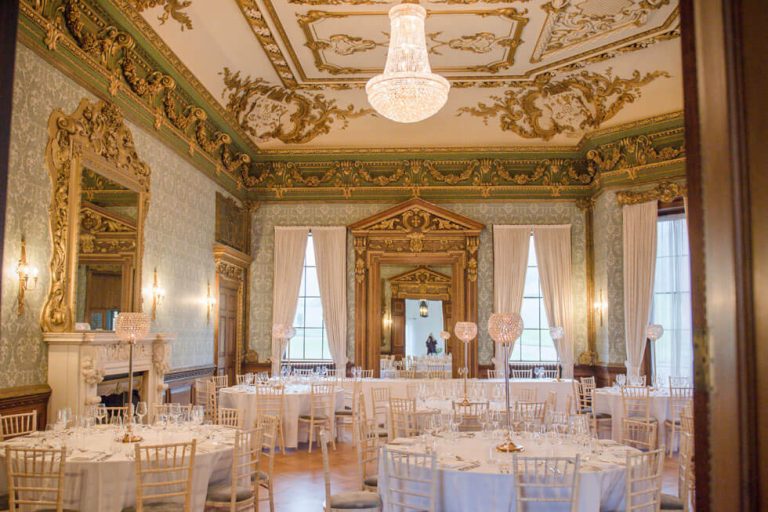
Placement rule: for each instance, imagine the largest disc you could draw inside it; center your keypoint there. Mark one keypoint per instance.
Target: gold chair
(643, 480)
(205, 395)
(411, 480)
(495, 374)
(367, 455)
(533, 412)
(320, 412)
(402, 418)
(550, 481)
(164, 477)
(679, 397)
(119, 412)
(347, 417)
(229, 417)
(269, 428)
(366, 374)
(35, 478)
(220, 381)
(639, 429)
(270, 401)
(242, 491)
(522, 374)
(15, 425)
(356, 500)
(584, 393)
(470, 415)
(380, 401)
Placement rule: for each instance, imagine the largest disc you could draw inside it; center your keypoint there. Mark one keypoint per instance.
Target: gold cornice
(665, 192)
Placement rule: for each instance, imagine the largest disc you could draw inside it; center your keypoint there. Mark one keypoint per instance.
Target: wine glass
(621, 379)
(101, 413)
(175, 413)
(141, 411)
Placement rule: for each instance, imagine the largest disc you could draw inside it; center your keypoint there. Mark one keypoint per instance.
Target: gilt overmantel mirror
(415, 251)
(99, 202)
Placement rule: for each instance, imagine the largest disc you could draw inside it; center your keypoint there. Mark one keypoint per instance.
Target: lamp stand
(508, 446)
(129, 436)
(465, 371)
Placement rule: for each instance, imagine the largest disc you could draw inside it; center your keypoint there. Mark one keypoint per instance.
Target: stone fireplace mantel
(79, 361)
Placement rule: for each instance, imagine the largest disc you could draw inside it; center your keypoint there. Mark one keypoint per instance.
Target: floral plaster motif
(270, 215)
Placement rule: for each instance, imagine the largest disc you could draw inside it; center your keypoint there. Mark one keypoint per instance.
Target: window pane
(313, 344)
(309, 259)
(314, 313)
(313, 288)
(530, 313)
(298, 320)
(531, 282)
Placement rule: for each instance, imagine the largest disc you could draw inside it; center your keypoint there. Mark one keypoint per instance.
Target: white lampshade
(505, 328)
(407, 91)
(465, 331)
(654, 332)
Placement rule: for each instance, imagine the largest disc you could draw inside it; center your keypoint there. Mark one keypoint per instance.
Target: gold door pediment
(423, 283)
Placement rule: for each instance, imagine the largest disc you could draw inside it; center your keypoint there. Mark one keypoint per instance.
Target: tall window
(311, 341)
(535, 344)
(672, 299)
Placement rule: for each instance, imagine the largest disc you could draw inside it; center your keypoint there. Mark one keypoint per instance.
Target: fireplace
(113, 390)
(85, 366)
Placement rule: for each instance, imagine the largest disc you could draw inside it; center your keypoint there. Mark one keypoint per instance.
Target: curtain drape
(639, 267)
(290, 249)
(510, 259)
(553, 254)
(331, 258)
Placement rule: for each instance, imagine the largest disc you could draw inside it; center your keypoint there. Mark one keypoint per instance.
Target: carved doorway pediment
(421, 282)
(419, 233)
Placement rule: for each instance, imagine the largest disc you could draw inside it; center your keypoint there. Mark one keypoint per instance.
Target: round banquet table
(608, 400)
(100, 474)
(468, 480)
(297, 402)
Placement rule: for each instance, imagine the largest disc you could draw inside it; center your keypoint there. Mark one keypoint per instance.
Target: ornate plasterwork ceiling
(526, 73)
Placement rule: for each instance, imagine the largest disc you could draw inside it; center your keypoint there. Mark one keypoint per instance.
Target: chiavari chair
(15, 425)
(241, 379)
(373, 426)
(470, 414)
(270, 401)
(303, 372)
(411, 480)
(643, 480)
(679, 397)
(679, 382)
(355, 500)
(205, 395)
(367, 455)
(366, 374)
(116, 412)
(533, 412)
(320, 412)
(402, 414)
(269, 428)
(550, 374)
(220, 381)
(228, 417)
(639, 429)
(686, 481)
(380, 401)
(35, 478)
(551, 482)
(584, 394)
(495, 374)
(526, 394)
(242, 490)
(164, 475)
(589, 381)
(406, 374)
(522, 374)
(350, 414)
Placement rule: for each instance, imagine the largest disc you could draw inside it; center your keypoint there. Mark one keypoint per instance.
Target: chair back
(582, 397)
(367, 450)
(550, 374)
(547, 482)
(379, 401)
(321, 400)
(589, 381)
(636, 402)
(245, 464)
(229, 417)
(366, 374)
(522, 374)
(15, 425)
(406, 374)
(679, 382)
(495, 374)
(643, 481)
(270, 401)
(205, 395)
(526, 394)
(35, 478)
(411, 480)
(116, 412)
(402, 414)
(220, 381)
(326, 468)
(241, 379)
(470, 414)
(268, 426)
(679, 397)
(164, 473)
(639, 433)
(531, 411)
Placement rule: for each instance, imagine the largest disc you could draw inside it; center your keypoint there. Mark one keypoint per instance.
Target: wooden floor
(299, 485)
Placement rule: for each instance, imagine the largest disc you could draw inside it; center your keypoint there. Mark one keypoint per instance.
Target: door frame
(232, 266)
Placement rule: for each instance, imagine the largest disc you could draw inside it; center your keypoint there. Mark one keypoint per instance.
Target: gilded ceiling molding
(570, 23)
(267, 111)
(172, 8)
(666, 192)
(526, 109)
(630, 153)
(83, 27)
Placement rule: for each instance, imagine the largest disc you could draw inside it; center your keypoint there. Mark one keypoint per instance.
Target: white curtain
(553, 254)
(290, 249)
(672, 300)
(639, 266)
(331, 257)
(510, 260)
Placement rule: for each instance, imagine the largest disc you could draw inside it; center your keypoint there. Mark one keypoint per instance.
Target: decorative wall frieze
(531, 110)
(666, 192)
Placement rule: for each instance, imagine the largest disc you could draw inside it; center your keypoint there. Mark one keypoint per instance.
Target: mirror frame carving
(420, 233)
(94, 136)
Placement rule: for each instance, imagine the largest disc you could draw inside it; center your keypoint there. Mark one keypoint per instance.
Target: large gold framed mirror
(415, 240)
(99, 202)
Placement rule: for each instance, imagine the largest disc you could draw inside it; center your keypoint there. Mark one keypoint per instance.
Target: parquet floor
(299, 484)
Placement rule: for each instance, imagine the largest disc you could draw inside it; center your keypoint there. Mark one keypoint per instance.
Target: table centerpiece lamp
(466, 332)
(557, 333)
(130, 327)
(283, 333)
(506, 328)
(654, 332)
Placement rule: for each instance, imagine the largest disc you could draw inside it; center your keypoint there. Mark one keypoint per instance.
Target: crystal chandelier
(407, 91)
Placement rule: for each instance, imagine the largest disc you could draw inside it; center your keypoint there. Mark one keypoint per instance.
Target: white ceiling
(295, 69)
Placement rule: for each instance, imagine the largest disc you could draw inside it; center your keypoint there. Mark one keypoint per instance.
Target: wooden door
(398, 328)
(227, 330)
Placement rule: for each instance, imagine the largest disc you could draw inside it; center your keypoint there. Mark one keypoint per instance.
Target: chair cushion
(602, 416)
(669, 502)
(161, 506)
(372, 481)
(319, 417)
(4, 502)
(223, 492)
(263, 477)
(345, 412)
(355, 500)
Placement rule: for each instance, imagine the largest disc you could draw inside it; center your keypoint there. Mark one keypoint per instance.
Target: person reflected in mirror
(431, 345)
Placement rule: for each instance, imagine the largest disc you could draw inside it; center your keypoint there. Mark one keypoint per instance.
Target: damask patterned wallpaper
(179, 229)
(271, 215)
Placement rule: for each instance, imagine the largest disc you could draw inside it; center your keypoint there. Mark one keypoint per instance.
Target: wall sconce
(600, 306)
(210, 301)
(27, 276)
(157, 293)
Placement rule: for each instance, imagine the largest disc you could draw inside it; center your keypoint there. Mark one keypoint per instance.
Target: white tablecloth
(485, 488)
(296, 403)
(608, 400)
(100, 475)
